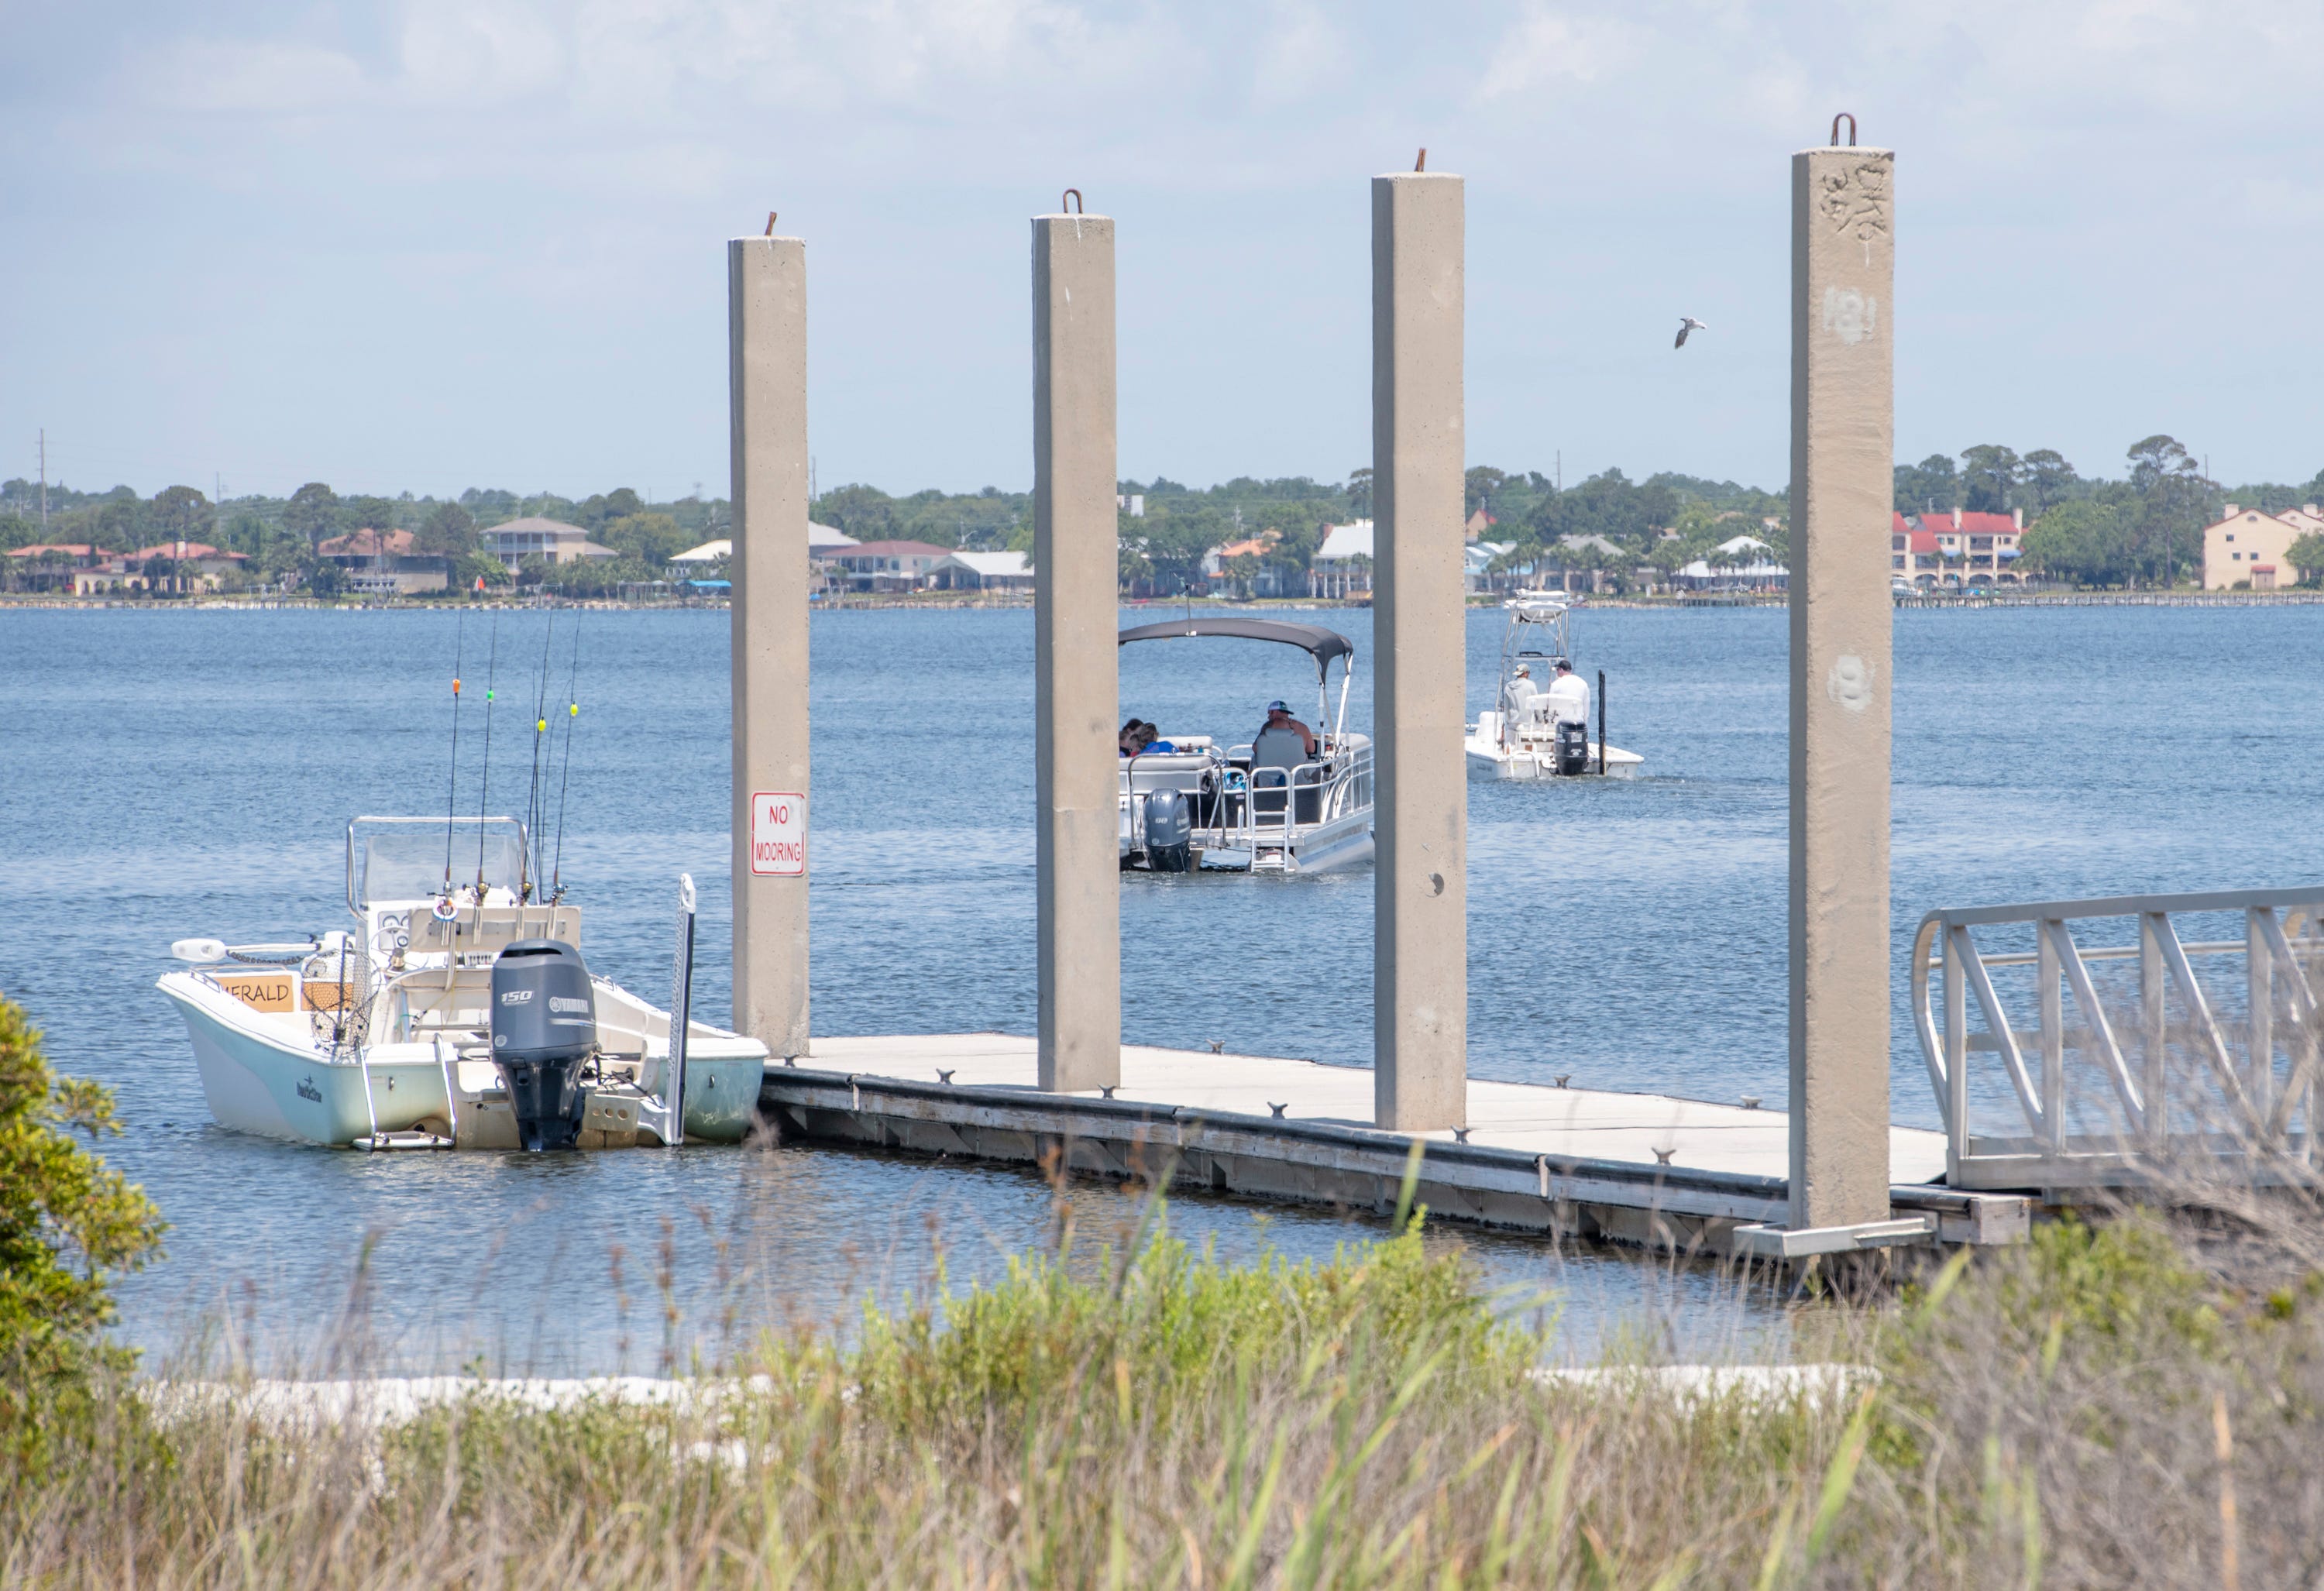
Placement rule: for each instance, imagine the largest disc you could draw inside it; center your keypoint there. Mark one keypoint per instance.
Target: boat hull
(257, 1082)
(263, 1081)
(1486, 757)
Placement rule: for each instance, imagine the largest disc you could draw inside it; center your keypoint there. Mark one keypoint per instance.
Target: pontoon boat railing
(1342, 786)
(2133, 1061)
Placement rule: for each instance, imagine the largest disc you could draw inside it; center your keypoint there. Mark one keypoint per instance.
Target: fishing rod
(565, 782)
(532, 785)
(485, 783)
(452, 785)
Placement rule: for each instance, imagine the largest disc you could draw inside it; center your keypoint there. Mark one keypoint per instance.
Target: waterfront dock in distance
(1646, 1169)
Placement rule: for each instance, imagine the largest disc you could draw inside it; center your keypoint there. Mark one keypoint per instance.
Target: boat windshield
(402, 859)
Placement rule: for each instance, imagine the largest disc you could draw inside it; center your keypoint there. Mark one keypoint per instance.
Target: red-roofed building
(49, 566)
(366, 544)
(189, 566)
(1958, 548)
(1913, 552)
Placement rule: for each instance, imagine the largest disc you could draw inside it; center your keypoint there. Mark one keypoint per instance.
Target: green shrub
(1167, 1321)
(66, 1220)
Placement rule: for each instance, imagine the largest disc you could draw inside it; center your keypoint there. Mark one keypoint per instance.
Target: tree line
(282, 538)
(2141, 528)
(2144, 528)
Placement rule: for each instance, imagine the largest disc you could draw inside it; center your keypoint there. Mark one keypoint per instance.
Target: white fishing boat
(406, 1031)
(1537, 727)
(1273, 805)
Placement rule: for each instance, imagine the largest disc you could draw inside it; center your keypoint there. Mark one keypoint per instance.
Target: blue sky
(431, 243)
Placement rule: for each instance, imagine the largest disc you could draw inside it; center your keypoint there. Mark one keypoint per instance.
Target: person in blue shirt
(1149, 739)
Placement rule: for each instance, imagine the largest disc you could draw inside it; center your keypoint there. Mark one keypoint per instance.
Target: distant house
(549, 540)
(385, 563)
(52, 566)
(1479, 523)
(1477, 561)
(1343, 564)
(1741, 563)
(2248, 547)
(1266, 582)
(887, 566)
(1978, 547)
(981, 571)
(1912, 554)
(822, 542)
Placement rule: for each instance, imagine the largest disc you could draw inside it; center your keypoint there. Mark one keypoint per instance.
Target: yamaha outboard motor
(1573, 748)
(1169, 833)
(544, 1026)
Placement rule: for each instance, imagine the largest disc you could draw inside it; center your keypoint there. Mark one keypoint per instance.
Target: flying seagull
(1687, 323)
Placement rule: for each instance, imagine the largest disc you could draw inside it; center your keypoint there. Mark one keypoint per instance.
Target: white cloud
(1624, 159)
(1301, 53)
(452, 51)
(1545, 45)
(267, 77)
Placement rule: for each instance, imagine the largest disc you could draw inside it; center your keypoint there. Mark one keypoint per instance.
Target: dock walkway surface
(1644, 1168)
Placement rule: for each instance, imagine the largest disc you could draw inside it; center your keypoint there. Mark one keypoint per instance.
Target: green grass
(2048, 1416)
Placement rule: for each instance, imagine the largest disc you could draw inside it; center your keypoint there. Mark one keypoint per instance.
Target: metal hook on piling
(1421, 163)
(1849, 117)
(770, 223)
(1074, 194)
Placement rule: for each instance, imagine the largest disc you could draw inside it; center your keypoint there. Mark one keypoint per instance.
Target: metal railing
(2133, 1061)
(1260, 807)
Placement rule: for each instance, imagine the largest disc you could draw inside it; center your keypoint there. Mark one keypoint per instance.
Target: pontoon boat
(1269, 807)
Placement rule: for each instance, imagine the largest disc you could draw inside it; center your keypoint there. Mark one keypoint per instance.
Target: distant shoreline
(937, 602)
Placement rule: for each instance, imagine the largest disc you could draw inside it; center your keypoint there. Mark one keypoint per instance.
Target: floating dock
(1646, 1169)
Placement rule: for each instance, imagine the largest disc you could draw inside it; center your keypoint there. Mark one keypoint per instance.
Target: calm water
(167, 773)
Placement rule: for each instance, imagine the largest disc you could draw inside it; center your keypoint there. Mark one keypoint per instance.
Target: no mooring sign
(779, 834)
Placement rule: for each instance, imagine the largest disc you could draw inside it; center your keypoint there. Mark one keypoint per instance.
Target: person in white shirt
(1569, 696)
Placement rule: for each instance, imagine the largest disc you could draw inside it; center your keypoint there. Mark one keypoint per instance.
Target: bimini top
(1538, 610)
(1324, 644)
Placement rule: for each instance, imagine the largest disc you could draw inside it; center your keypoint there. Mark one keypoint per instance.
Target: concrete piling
(765, 285)
(1843, 259)
(1075, 688)
(1420, 966)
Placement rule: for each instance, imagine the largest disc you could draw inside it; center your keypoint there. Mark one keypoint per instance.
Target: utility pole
(44, 483)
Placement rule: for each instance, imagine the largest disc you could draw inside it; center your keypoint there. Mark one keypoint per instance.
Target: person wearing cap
(1279, 721)
(1569, 696)
(1518, 693)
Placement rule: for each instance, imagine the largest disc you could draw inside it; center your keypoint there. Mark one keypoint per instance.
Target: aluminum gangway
(2101, 1057)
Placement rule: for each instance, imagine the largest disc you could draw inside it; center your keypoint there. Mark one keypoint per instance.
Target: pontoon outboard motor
(1169, 833)
(1573, 748)
(544, 1026)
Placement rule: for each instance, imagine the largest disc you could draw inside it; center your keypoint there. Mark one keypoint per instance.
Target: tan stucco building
(2247, 547)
